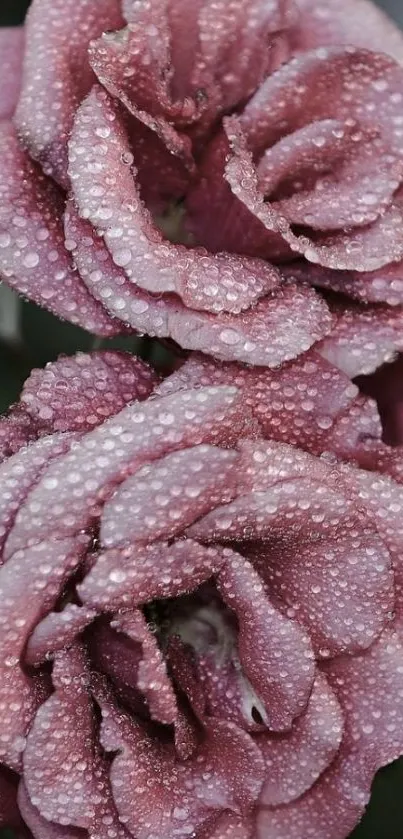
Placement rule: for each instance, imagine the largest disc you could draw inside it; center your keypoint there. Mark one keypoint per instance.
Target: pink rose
(201, 623)
(166, 159)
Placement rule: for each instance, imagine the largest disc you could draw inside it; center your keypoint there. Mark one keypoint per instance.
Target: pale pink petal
(295, 760)
(33, 259)
(228, 337)
(275, 653)
(57, 631)
(40, 827)
(30, 583)
(122, 578)
(220, 283)
(116, 449)
(12, 43)
(69, 786)
(19, 473)
(226, 773)
(164, 497)
(363, 339)
(57, 74)
(152, 676)
(361, 22)
(80, 392)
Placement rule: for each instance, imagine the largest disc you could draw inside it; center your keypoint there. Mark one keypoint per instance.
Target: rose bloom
(201, 601)
(197, 171)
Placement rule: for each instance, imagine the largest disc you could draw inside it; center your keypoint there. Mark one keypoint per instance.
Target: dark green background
(45, 337)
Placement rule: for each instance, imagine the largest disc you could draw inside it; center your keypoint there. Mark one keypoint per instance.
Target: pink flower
(166, 159)
(201, 623)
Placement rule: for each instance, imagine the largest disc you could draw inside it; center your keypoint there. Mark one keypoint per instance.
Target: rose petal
(369, 689)
(57, 74)
(241, 337)
(228, 826)
(19, 473)
(152, 677)
(122, 578)
(365, 249)
(12, 43)
(363, 339)
(69, 787)
(220, 283)
(114, 450)
(362, 23)
(275, 653)
(383, 285)
(17, 429)
(144, 763)
(57, 631)
(30, 583)
(164, 497)
(81, 391)
(39, 827)
(386, 386)
(297, 759)
(33, 259)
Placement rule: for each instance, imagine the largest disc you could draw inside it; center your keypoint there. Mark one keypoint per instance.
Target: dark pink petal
(17, 429)
(116, 657)
(354, 430)
(122, 578)
(30, 583)
(275, 653)
(33, 259)
(344, 22)
(220, 283)
(57, 74)
(114, 450)
(295, 760)
(152, 677)
(228, 826)
(12, 42)
(19, 473)
(386, 386)
(365, 249)
(226, 773)
(363, 339)
(57, 631)
(79, 392)
(228, 337)
(40, 827)
(164, 497)
(383, 285)
(68, 781)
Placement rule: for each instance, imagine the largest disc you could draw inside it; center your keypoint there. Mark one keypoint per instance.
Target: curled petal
(82, 391)
(57, 631)
(220, 283)
(40, 827)
(164, 497)
(114, 450)
(341, 22)
(139, 574)
(19, 473)
(33, 259)
(275, 653)
(295, 760)
(30, 583)
(226, 773)
(385, 285)
(12, 42)
(152, 677)
(228, 337)
(57, 74)
(366, 249)
(53, 772)
(363, 339)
